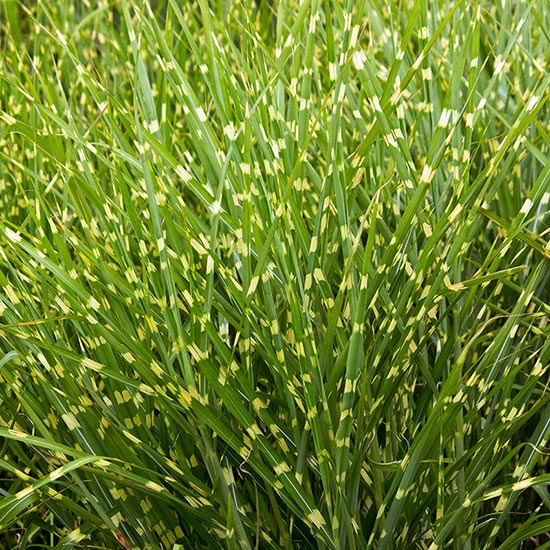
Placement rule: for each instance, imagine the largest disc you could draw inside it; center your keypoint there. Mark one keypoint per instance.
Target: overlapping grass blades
(274, 275)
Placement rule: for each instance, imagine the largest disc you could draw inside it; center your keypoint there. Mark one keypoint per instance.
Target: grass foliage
(274, 274)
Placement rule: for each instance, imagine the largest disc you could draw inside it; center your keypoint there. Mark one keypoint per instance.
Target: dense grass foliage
(274, 274)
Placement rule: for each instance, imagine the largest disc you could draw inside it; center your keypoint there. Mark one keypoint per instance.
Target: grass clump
(274, 275)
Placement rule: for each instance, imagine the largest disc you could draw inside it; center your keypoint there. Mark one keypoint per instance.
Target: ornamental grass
(274, 274)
